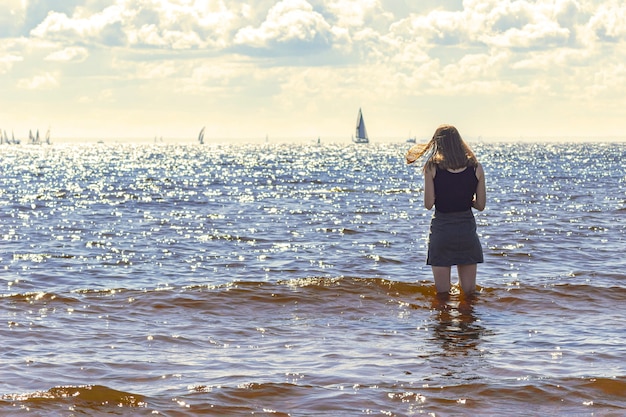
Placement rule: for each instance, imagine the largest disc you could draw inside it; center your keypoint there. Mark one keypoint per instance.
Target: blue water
(290, 280)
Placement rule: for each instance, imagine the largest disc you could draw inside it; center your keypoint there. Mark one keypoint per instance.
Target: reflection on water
(457, 328)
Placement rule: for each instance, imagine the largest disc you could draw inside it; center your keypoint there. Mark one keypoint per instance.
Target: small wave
(239, 297)
(83, 399)
(39, 297)
(362, 285)
(605, 386)
(556, 295)
(544, 396)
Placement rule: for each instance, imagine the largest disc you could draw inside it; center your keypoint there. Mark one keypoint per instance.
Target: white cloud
(543, 34)
(502, 24)
(71, 53)
(182, 24)
(151, 35)
(39, 82)
(103, 27)
(289, 22)
(161, 24)
(355, 13)
(609, 22)
(7, 61)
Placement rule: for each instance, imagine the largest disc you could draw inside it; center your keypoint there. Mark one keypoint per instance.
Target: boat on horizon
(361, 133)
(5, 140)
(32, 139)
(201, 136)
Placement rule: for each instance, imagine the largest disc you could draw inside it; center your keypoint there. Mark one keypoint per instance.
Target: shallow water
(290, 280)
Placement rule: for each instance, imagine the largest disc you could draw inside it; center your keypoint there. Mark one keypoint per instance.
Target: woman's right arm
(429, 186)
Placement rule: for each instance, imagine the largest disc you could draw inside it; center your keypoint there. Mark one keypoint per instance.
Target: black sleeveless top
(455, 192)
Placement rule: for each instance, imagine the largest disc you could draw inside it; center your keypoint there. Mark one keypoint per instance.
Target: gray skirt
(453, 240)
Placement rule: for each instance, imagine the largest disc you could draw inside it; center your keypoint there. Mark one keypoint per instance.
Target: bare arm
(429, 186)
(480, 199)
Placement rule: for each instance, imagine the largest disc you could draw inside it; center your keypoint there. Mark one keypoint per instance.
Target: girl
(454, 183)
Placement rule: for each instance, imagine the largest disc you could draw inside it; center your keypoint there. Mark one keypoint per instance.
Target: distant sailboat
(361, 132)
(201, 136)
(9, 141)
(48, 140)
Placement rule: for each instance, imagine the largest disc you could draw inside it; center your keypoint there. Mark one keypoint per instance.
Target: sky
(302, 68)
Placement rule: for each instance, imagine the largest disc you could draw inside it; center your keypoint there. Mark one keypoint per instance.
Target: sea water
(290, 280)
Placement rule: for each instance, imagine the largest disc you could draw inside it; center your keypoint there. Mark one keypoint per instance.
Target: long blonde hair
(446, 149)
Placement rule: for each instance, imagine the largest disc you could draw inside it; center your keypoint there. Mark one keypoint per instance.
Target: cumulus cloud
(543, 34)
(503, 24)
(176, 24)
(609, 23)
(183, 24)
(289, 23)
(104, 27)
(525, 25)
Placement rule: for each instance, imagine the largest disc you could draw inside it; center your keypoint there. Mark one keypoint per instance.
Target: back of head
(449, 149)
(446, 149)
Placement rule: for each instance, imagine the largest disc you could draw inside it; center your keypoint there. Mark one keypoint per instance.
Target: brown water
(184, 281)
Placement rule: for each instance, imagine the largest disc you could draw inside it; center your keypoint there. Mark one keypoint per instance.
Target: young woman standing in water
(454, 183)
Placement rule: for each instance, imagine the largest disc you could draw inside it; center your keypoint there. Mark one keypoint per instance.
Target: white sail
(361, 133)
(201, 136)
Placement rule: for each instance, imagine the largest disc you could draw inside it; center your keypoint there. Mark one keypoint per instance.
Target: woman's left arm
(480, 199)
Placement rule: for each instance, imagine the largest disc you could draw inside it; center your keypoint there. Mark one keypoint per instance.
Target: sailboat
(201, 136)
(361, 132)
